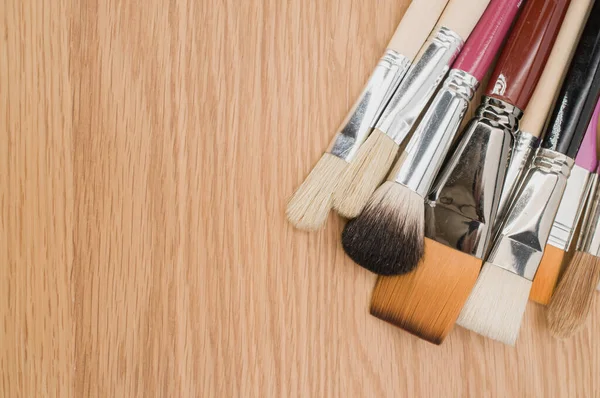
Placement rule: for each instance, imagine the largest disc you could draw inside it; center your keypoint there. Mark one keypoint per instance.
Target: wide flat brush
(497, 303)
(527, 138)
(395, 212)
(374, 159)
(461, 207)
(570, 303)
(309, 206)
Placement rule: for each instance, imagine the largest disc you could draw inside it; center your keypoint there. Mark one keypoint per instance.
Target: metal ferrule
(524, 147)
(571, 208)
(520, 245)
(589, 238)
(369, 106)
(462, 205)
(420, 83)
(433, 137)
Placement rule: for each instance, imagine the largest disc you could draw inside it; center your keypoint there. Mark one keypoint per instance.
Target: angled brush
(570, 303)
(497, 303)
(461, 208)
(375, 157)
(395, 213)
(309, 206)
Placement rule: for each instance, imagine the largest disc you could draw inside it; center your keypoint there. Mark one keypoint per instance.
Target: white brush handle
(551, 80)
(416, 25)
(462, 15)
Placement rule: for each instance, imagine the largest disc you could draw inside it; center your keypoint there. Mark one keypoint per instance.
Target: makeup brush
(374, 158)
(395, 213)
(309, 206)
(570, 304)
(527, 138)
(497, 303)
(460, 210)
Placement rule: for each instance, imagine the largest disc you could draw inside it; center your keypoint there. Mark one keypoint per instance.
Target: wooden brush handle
(461, 16)
(528, 47)
(547, 89)
(480, 50)
(577, 99)
(416, 25)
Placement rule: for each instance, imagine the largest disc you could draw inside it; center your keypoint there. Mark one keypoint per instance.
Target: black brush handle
(579, 93)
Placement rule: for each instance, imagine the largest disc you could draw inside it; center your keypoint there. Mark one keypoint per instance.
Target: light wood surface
(147, 151)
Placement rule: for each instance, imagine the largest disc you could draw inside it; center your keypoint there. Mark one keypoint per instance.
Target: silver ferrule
(369, 106)
(434, 135)
(520, 245)
(524, 147)
(420, 83)
(462, 205)
(571, 208)
(589, 238)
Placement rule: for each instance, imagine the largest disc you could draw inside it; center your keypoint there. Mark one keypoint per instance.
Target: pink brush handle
(484, 43)
(587, 157)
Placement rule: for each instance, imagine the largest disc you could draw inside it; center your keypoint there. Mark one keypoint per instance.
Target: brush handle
(461, 16)
(484, 43)
(579, 92)
(525, 54)
(587, 156)
(547, 89)
(589, 238)
(416, 25)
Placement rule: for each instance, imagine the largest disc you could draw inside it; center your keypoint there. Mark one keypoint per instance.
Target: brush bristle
(309, 206)
(387, 237)
(427, 301)
(364, 174)
(572, 300)
(496, 305)
(547, 275)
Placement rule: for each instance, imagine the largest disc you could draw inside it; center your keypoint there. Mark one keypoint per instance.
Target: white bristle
(364, 174)
(496, 304)
(309, 206)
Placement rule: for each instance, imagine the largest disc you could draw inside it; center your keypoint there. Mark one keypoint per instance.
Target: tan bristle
(427, 301)
(547, 275)
(364, 174)
(496, 305)
(309, 206)
(571, 302)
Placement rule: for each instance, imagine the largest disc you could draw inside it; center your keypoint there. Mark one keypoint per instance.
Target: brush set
(467, 219)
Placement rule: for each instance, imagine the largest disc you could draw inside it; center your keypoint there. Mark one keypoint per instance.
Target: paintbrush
(374, 158)
(527, 137)
(567, 218)
(460, 209)
(570, 304)
(310, 204)
(395, 212)
(497, 303)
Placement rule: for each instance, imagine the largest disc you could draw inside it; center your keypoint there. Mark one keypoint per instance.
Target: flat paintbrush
(461, 208)
(395, 212)
(571, 302)
(497, 303)
(309, 206)
(374, 159)
(567, 219)
(527, 138)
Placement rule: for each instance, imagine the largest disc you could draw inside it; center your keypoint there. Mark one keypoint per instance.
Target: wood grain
(147, 151)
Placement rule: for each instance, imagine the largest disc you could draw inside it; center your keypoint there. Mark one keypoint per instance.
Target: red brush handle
(522, 61)
(484, 43)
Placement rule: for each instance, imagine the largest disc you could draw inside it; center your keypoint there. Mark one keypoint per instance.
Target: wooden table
(147, 151)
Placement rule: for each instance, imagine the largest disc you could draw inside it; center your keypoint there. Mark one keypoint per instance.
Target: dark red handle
(526, 52)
